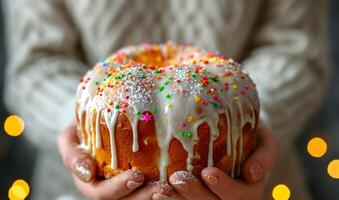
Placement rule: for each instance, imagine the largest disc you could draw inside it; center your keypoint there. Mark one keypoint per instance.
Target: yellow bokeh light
(11, 196)
(14, 125)
(281, 192)
(23, 184)
(317, 147)
(19, 190)
(333, 169)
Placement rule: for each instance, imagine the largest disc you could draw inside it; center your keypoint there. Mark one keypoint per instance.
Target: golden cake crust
(147, 158)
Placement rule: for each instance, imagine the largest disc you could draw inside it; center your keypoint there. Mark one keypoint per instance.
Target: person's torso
(107, 25)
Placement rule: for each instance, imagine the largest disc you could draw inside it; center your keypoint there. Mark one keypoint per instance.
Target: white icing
(135, 145)
(97, 130)
(110, 120)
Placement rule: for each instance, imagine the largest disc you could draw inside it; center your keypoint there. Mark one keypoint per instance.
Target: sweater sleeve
(288, 61)
(44, 66)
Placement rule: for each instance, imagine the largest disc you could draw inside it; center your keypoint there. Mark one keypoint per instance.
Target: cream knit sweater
(51, 43)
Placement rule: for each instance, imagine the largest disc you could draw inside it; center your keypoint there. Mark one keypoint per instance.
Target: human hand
(125, 185)
(218, 185)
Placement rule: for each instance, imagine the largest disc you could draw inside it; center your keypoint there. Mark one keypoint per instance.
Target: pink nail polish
(136, 180)
(137, 176)
(184, 175)
(165, 188)
(82, 169)
(182, 179)
(256, 171)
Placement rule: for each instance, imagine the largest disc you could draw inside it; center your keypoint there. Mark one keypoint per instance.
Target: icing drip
(110, 120)
(228, 133)
(178, 97)
(135, 146)
(97, 130)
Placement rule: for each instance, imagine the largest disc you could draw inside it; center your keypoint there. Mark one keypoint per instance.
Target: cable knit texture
(51, 43)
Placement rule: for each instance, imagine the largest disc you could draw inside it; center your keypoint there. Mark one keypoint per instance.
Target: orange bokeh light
(317, 147)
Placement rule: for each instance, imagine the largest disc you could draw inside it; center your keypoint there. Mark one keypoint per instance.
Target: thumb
(77, 160)
(263, 159)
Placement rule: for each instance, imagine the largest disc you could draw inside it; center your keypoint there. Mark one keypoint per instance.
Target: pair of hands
(182, 185)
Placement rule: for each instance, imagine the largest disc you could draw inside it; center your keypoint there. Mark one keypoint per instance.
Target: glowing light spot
(23, 184)
(19, 190)
(317, 147)
(333, 169)
(281, 192)
(14, 125)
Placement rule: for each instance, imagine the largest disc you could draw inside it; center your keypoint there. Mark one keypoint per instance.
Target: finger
(155, 191)
(67, 140)
(174, 196)
(220, 183)
(227, 188)
(263, 159)
(166, 191)
(113, 188)
(78, 161)
(189, 186)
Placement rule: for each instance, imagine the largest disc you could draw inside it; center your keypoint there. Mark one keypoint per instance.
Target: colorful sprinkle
(161, 88)
(215, 79)
(167, 106)
(189, 134)
(146, 117)
(197, 98)
(215, 104)
(190, 118)
(204, 80)
(165, 120)
(154, 109)
(182, 133)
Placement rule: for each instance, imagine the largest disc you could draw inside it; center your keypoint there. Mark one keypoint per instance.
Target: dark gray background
(17, 155)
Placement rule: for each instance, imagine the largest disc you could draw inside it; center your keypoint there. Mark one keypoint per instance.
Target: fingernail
(137, 176)
(82, 169)
(212, 180)
(133, 184)
(157, 196)
(182, 179)
(182, 185)
(136, 181)
(256, 171)
(165, 188)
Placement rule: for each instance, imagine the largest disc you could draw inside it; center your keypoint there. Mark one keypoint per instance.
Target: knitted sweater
(51, 43)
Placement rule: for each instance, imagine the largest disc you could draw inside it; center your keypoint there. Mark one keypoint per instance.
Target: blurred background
(17, 156)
